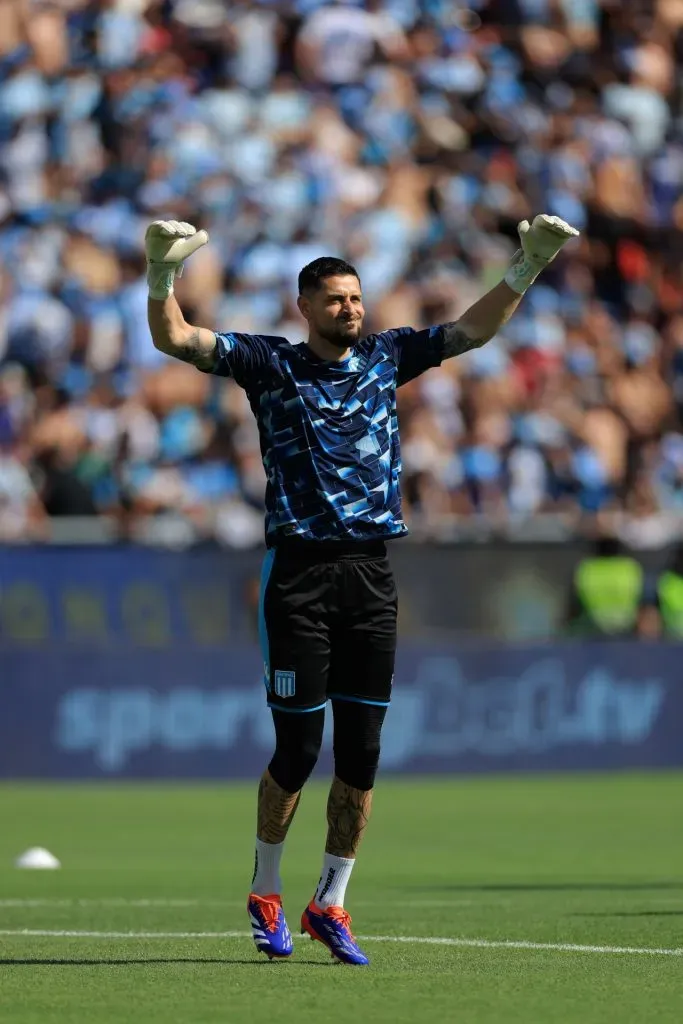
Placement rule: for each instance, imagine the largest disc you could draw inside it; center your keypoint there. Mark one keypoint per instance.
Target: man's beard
(338, 337)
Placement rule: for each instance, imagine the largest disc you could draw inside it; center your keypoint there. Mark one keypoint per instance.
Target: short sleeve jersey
(328, 430)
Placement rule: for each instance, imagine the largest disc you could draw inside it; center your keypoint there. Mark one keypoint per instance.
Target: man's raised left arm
(540, 243)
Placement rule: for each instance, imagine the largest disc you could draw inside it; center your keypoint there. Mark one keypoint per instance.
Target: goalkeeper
(326, 413)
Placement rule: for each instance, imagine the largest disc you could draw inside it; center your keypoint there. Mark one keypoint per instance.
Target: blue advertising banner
(135, 596)
(113, 710)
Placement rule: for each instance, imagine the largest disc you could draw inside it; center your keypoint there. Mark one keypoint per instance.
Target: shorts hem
(296, 711)
(360, 700)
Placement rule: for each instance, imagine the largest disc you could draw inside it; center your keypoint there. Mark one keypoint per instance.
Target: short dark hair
(326, 266)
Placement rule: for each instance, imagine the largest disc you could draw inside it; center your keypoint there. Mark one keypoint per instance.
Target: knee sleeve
(298, 738)
(357, 729)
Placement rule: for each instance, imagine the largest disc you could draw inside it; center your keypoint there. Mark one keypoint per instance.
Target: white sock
(266, 880)
(333, 881)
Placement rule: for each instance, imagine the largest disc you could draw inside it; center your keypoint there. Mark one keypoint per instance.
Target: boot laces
(269, 908)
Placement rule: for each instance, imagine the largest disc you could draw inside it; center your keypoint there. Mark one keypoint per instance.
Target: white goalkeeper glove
(168, 243)
(541, 241)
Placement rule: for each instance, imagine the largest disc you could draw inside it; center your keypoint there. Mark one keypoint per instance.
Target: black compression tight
(298, 738)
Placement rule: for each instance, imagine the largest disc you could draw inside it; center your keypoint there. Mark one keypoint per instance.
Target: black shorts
(327, 624)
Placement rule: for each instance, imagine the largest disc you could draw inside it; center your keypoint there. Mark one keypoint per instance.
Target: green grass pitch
(592, 861)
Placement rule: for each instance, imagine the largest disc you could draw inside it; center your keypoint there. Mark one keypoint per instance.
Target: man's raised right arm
(174, 336)
(167, 245)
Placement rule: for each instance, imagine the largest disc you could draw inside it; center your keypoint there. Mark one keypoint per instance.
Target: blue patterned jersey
(329, 433)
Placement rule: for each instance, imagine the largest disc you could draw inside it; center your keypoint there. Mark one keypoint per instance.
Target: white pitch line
(39, 933)
(560, 947)
(117, 902)
(179, 904)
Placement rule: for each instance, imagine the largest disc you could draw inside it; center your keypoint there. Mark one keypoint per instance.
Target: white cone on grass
(37, 859)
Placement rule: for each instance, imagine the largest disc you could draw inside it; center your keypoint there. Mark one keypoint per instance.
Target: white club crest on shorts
(284, 683)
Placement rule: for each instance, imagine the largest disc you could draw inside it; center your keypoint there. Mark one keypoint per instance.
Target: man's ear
(304, 306)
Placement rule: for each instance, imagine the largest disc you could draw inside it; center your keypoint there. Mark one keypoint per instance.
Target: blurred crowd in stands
(408, 137)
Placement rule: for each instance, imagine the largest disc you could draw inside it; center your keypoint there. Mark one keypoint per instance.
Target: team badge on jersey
(284, 683)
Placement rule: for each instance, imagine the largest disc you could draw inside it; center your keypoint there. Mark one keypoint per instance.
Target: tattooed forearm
(480, 322)
(195, 350)
(348, 812)
(276, 810)
(457, 340)
(172, 335)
